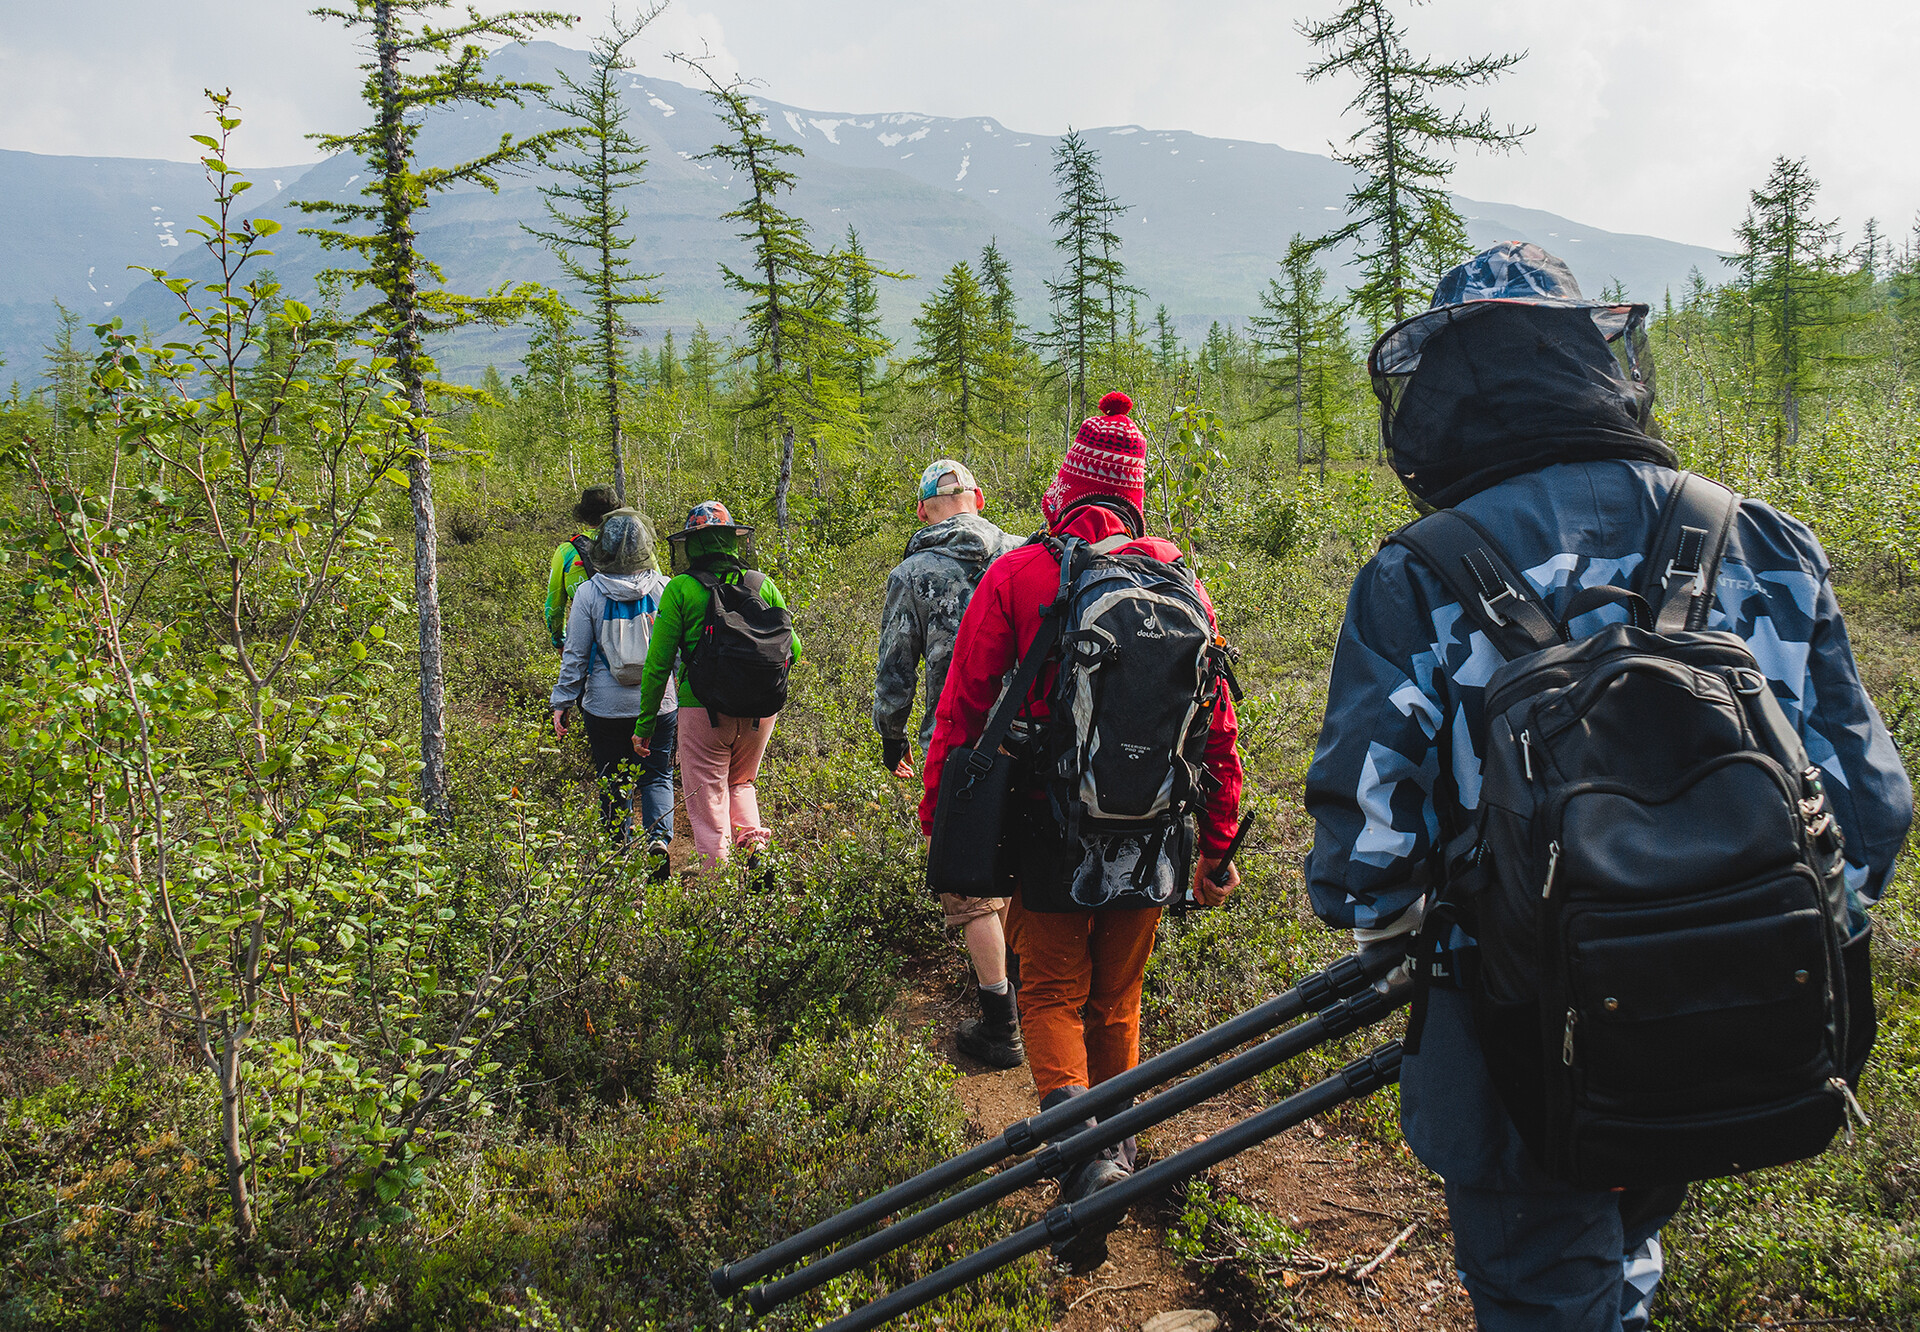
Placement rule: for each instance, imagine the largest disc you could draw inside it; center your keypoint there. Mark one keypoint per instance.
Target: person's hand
(641, 746)
(1205, 891)
(896, 755)
(560, 722)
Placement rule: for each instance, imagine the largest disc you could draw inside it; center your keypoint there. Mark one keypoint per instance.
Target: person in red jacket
(1080, 971)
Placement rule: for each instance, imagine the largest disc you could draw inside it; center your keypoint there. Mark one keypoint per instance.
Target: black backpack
(1665, 990)
(739, 666)
(1122, 753)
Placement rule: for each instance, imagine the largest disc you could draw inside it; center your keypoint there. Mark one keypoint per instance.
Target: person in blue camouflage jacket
(1544, 439)
(927, 593)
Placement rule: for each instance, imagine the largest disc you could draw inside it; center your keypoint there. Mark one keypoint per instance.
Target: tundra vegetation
(297, 1032)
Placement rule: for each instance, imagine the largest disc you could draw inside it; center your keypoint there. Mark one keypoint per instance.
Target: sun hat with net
(1511, 370)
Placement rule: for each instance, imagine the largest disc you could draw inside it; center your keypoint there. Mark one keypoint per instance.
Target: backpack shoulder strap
(580, 545)
(1051, 617)
(1684, 560)
(712, 586)
(1501, 602)
(752, 579)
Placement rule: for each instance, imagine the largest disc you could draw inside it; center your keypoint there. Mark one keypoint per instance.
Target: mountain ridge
(1208, 218)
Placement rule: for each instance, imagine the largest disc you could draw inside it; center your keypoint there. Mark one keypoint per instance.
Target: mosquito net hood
(1510, 371)
(624, 543)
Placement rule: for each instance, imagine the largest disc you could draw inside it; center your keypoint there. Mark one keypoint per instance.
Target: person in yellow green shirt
(566, 571)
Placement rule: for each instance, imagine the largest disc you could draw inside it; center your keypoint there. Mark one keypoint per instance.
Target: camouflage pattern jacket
(927, 592)
(1398, 763)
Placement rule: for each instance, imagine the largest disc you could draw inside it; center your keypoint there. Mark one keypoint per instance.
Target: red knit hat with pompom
(1108, 457)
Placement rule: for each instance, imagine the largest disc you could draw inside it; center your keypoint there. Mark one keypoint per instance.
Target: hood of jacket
(1505, 388)
(628, 586)
(966, 537)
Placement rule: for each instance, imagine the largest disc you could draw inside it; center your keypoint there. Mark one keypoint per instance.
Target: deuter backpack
(1122, 754)
(739, 666)
(1665, 988)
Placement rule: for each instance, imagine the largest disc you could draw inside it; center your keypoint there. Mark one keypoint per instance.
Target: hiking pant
(1536, 1255)
(717, 766)
(625, 775)
(1075, 960)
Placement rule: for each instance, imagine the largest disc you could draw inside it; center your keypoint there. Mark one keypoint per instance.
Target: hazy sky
(1653, 116)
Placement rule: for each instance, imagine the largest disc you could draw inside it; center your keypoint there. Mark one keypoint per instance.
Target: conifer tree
(1166, 343)
(861, 314)
(1008, 364)
(1303, 333)
(1399, 211)
(793, 322)
(1085, 297)
(398, 188)
(588, 219)
(955, 340)
(701, 364)
(1790, 265)
(996, 282)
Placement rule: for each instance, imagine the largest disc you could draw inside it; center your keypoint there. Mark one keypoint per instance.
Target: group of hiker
(692, 667)
(1636, 966)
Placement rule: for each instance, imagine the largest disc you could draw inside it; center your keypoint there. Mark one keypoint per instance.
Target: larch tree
(588, 233)
(1009, 362)
(860, 313)
(1086, 295)
(793, 328)
(955, 340)
(1792, 268)
(1400, 214)
(409, 301)
(1304, 337)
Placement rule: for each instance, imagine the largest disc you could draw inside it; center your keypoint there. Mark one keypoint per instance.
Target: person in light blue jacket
(1508, 404)
(626, 586)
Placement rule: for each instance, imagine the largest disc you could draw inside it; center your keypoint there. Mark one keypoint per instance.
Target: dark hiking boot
(658, 859)
(994, 1037)
(1085, 1249)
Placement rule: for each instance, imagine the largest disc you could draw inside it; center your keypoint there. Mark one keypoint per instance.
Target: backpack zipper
(1850, 1107)
(1566, 1045)
(1526, 752)
(1553, 863)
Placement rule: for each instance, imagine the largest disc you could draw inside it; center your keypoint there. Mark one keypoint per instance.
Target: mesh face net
(1472, 394)
(624, 543)
(687, 552)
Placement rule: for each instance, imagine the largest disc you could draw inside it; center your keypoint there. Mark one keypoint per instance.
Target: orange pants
(1075, 960)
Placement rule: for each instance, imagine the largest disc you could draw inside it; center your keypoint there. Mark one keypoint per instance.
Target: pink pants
(717, 768)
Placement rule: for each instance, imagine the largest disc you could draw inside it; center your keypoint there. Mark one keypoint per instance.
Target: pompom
(1116, 404)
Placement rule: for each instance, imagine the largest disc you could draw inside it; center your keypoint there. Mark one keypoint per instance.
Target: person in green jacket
(565, 572)
(719, 755)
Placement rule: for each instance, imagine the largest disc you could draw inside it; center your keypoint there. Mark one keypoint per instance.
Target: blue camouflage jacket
(1399, 755)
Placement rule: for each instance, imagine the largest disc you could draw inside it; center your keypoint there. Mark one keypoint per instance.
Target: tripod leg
(1379, 1069)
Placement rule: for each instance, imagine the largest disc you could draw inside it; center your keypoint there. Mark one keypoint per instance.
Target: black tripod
(1352, 993)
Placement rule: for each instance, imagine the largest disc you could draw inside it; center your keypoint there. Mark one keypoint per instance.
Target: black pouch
(970, 819)
(970, 824)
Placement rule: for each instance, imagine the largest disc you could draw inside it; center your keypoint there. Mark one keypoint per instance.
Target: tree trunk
(397, 222)
(785, 481)
(228, 1069)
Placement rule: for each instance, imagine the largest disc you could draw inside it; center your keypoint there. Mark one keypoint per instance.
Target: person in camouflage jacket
(927, 593)
(1548, 445)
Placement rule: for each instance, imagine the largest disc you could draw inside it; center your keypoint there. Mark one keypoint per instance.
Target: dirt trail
(1352, 1196)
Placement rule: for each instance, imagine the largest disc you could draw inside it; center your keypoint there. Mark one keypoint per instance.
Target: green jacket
(564, 576)
(676, 631)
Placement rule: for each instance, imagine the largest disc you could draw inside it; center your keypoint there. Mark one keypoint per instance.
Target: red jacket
(1000, 624)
